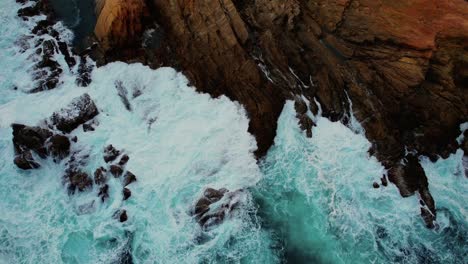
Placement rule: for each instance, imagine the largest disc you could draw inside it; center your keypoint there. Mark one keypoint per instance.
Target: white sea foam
(323, 187)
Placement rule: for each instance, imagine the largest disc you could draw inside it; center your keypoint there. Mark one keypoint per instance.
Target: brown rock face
(403, 64)
(120, 23)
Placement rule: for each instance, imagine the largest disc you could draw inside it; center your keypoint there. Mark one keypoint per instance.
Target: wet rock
(126, 194)
(123, 161)
(100, 176)
(116, 171)
(75, 139)
(25, 161)
(84, 72)
(69, 59)
(79, 111)
(29, 11)
(129, 178)
(306, 124)
(300, 106)
(375, 185)
(104, 192)
(42, 27)
(384, 181)
(59, 146)
(202, 211)
(30, 138)
(121, 215)
(88, 127)
(78, 180)
(428, 217)
(110, 153)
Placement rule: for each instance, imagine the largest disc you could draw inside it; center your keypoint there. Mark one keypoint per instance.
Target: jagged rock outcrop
(404, 66)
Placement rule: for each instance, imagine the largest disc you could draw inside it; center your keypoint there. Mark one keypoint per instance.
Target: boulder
(126, 194)
(78, 112)
(121, 215)
(25, 161)
(59, 146)
(100, 176)
(207, 215)
(110, 153)
(124, 159)
(30, 138)
(78, 180)
(116, 170)
(129, 178)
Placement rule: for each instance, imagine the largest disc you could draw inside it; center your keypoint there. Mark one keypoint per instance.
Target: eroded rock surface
(403, 65)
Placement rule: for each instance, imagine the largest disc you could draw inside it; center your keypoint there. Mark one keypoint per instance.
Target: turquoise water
(308, 201)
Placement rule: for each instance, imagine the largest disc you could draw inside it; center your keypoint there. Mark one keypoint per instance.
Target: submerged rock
(79, 111)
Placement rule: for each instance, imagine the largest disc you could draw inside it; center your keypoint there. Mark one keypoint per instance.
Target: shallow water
(308, 201)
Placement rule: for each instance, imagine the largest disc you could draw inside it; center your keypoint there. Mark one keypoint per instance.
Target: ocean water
(307, 201)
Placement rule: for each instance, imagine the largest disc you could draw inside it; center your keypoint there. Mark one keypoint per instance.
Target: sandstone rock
(404, 66)
(79, 111)
(120, 23)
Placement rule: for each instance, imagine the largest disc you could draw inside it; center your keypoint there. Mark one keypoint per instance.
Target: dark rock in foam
(79, 111)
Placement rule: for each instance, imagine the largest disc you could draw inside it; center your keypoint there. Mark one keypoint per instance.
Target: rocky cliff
(403, 65)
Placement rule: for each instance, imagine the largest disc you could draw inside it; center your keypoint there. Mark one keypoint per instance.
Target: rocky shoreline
(404, 68)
